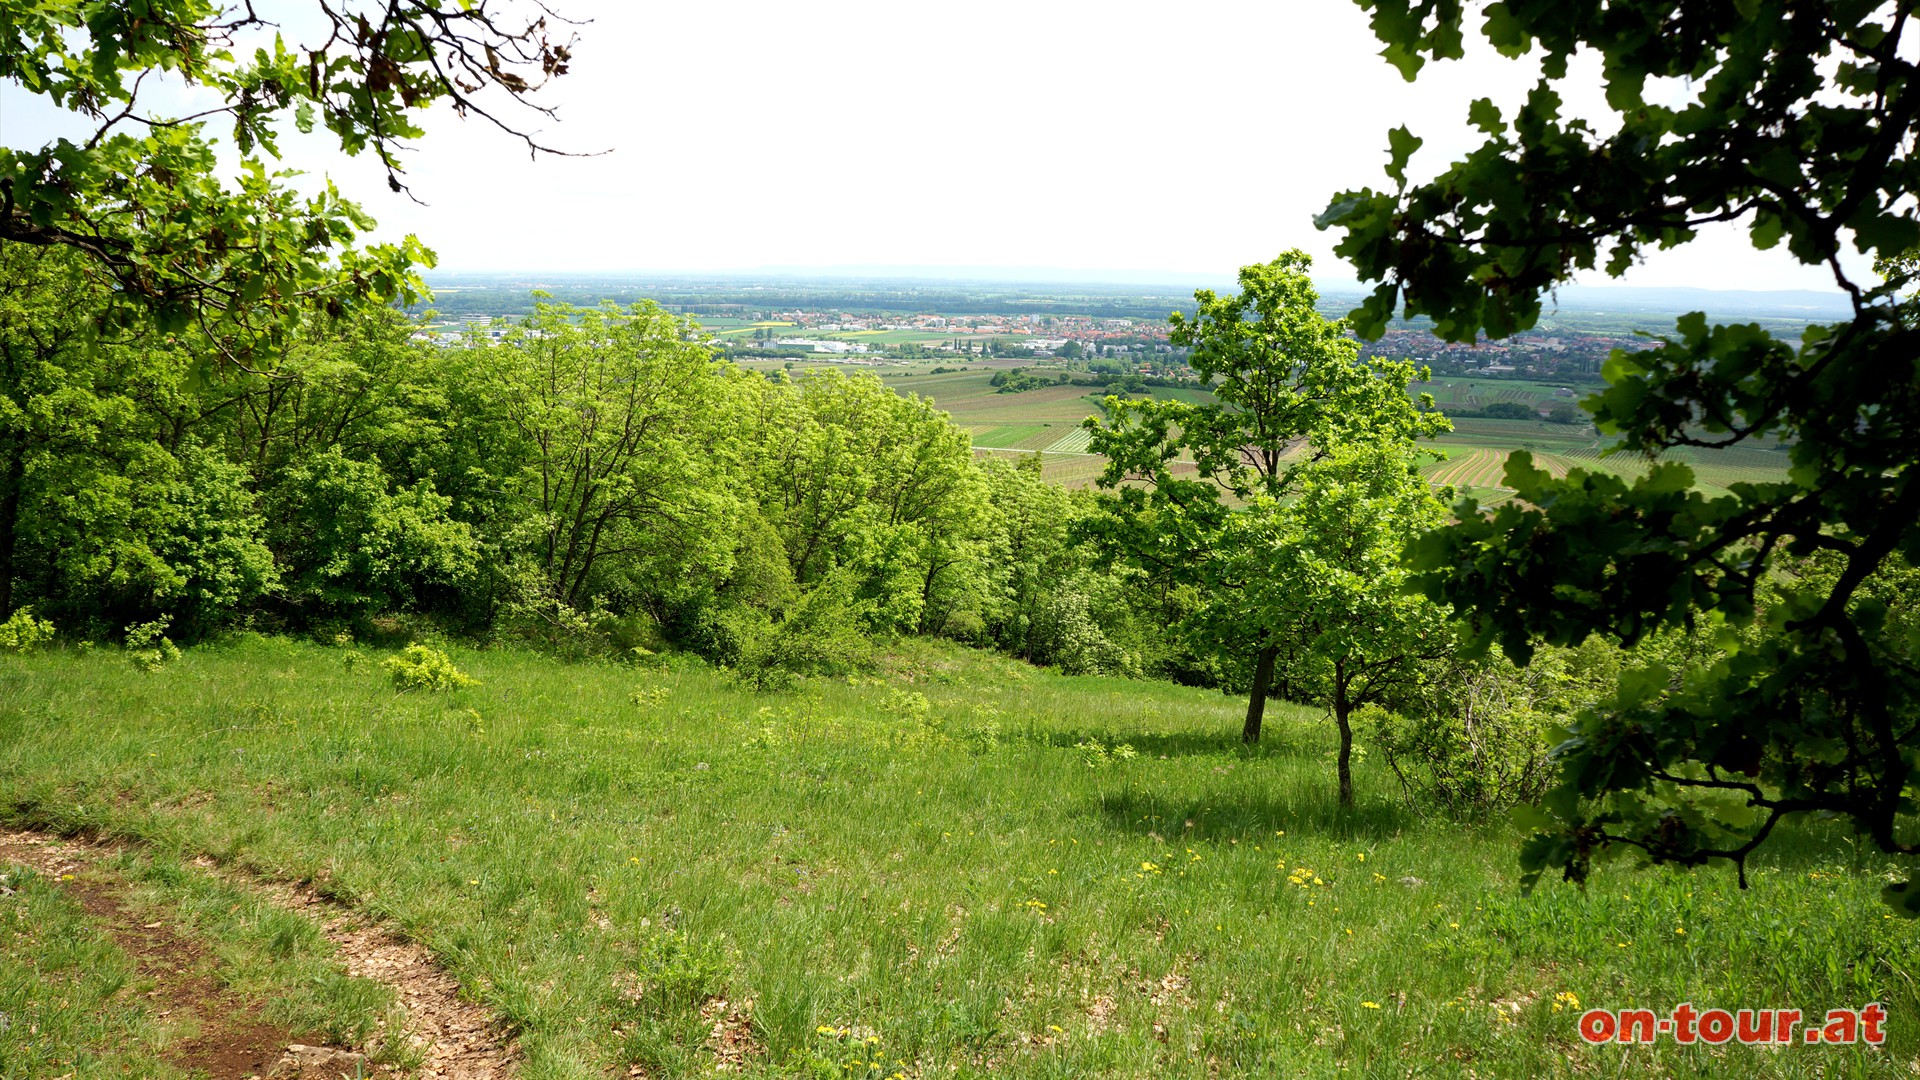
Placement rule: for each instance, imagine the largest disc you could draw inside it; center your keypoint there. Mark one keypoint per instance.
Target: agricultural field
(724, 328)
(1468, 392)
(1515, 434)
(1066, 469)
(1477, 469)
(952, 865)
(1074, 442)
(1047, 420)
(1015, 437)
(973, 402)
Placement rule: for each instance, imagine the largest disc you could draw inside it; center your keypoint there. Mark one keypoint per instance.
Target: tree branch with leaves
(1800, 122)
(140, 195)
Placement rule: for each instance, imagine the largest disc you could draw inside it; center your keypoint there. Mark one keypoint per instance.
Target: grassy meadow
(78, 1005)
(956, 865)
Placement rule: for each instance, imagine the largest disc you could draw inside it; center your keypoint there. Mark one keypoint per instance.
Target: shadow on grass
(1803, 842)
(1224, 816)
(1172, 744)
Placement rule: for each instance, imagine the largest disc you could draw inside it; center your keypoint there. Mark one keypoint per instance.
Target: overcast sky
(1115, 136)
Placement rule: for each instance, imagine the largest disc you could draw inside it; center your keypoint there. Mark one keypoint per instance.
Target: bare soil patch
(456, 1039)
(222, 1035)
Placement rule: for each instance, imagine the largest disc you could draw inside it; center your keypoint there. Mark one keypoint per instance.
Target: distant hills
(937, 283)
(1723, 302)
(1632, 299)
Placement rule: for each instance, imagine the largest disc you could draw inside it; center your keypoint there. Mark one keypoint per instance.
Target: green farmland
(1047, 420)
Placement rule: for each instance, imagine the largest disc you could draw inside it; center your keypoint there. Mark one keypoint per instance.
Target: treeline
(1021, 380)
(1560, 413)
(593, 481)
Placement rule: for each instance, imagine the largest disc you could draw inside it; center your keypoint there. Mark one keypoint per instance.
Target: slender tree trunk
(1257, 698)
(10, 527)
(1342, 711)
(926, 594)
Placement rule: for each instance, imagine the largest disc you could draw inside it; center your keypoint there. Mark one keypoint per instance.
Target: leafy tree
(613, 436)
(352, 544)
(354, 384)
(1322, 582)
(1799, 121)
(212, 539)
(1031, 549)
(108, 510)
(1049, 600)
(1509, 410)
(1291, 388)
(859, 480)
(139, 196)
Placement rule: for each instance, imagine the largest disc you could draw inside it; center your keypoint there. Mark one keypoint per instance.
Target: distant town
(1109, 330)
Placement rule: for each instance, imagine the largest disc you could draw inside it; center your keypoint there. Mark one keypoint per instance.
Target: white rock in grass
(319, 1063)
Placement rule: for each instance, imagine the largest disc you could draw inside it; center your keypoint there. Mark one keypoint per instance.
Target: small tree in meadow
(1290, 389)
(1326, 586)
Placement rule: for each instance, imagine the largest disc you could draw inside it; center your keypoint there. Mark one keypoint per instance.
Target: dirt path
(457, 1040)
(461, 1040)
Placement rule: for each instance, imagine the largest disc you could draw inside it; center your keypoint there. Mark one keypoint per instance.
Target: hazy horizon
(1643, 298)
(864, 135)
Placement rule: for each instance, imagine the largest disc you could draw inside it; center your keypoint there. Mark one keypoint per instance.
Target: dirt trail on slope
(226, 1039)
(461, 1040)
(457, 1040)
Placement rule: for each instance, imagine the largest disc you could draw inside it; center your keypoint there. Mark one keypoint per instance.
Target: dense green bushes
(590, 482)
(1477, 737)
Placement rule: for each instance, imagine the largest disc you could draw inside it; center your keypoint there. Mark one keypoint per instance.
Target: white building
(818, 345)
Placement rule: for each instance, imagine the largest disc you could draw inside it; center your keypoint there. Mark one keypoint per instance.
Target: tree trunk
(9, 527)
(1257, 698)
(1342, 710)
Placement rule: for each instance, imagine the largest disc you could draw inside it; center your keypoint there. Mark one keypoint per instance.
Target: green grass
(930, 859)
(68, 994)
(62, 975)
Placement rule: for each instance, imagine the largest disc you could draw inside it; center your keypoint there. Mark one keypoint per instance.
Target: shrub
(1462, 763)
(422, 667)
(353, 544)
(22, 633)
(1066, 633)
(211, 538)
(1480, 741)
(148, 645)
(820, 635)
(1099, 755)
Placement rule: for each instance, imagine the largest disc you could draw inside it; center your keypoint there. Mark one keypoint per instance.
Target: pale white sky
(1113, 136)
